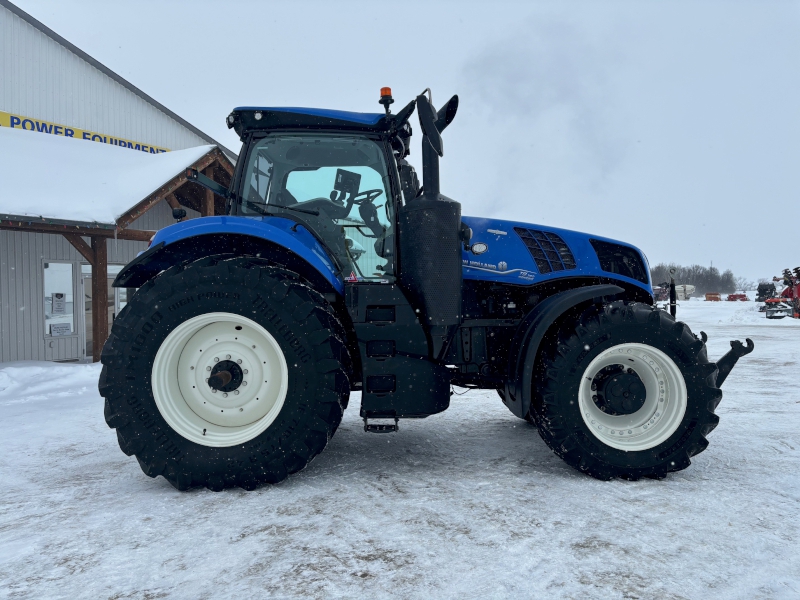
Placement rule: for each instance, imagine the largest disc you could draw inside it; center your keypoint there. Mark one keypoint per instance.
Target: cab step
(381, 427)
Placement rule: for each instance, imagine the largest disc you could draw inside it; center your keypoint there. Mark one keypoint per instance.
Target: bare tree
(705, 279)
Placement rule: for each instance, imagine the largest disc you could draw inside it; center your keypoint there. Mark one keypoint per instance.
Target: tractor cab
(336, 185)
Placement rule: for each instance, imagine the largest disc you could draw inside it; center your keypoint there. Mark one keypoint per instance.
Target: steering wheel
(368, 196)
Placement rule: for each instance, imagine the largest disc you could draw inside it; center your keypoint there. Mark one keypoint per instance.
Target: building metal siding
(44, 77)
(44, 80)
(22, 257)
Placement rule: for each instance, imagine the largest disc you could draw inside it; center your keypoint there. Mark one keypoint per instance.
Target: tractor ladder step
(381, 427)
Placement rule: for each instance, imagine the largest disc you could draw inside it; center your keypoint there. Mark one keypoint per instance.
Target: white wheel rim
(184, 362)
(662, 411)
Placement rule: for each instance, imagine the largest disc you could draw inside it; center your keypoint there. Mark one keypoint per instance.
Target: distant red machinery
(787, 303)
(738, 297)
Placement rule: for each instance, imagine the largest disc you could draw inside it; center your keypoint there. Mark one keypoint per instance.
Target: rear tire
(625, 391)
(284, 385)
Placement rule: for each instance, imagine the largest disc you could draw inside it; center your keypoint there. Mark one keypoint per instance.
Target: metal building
(50, 87)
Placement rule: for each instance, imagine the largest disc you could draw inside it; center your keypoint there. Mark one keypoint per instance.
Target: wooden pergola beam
(137, 235)
(226, 166)
(168, 188)
(207, 204)
(81, 246)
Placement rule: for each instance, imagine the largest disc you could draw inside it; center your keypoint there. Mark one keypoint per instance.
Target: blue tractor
(334, 271)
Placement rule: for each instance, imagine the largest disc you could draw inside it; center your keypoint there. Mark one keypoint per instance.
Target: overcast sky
(670, 125)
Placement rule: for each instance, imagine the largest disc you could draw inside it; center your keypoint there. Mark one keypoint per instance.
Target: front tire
(625, 391)
(225, 372)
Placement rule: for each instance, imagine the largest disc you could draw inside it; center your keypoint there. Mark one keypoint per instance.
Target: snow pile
(466, 504)
(30, 380)
(76, 180)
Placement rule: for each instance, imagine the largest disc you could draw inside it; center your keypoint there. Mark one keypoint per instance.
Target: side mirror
(427, 120)
(447, 113)
(178, 213)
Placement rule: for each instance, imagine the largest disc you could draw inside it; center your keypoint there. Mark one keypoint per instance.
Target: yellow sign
(27, 124)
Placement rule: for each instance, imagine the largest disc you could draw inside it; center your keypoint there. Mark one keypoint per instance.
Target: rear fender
(280, 240)
(528, 339)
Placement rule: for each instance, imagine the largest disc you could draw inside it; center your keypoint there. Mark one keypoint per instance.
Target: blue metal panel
(273, 229)
(341, 115)
(507, 259)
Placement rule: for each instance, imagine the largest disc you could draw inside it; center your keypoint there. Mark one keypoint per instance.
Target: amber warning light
(386, 98)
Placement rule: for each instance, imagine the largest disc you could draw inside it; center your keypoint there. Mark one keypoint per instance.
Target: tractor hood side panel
(526, 254)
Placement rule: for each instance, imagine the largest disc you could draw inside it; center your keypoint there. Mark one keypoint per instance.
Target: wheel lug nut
(213, 391)
(224, 395)
(241, 410)
(239, 361)
(227, 356)
(246, 371)
(191, 368)
(244, 383)
(208, 368)
(216, 359)
(236, 392)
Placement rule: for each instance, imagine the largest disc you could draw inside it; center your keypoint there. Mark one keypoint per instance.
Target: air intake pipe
(430, 239)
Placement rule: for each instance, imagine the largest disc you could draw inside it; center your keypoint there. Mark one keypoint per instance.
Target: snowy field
(466, 504)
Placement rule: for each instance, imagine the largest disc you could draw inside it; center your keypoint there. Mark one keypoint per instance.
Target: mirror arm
(208, 183)
(430, 170)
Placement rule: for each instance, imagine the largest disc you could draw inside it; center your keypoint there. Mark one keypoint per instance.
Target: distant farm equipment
(713, 297)
(765, 290)
(738, 298)
(683, 291)
(787, 303)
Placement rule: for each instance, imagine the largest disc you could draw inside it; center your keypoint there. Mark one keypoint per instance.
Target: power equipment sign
(27, 124)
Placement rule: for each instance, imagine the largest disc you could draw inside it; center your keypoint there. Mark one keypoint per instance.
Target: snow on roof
(77, 180)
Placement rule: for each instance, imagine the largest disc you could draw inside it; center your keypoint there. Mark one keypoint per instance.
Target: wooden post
(99, 296)
(207, 208)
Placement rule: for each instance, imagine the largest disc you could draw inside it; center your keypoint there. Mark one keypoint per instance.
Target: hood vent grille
(621, 260)
(548, 250)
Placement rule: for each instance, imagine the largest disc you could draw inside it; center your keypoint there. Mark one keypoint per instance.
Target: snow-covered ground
(467, 504)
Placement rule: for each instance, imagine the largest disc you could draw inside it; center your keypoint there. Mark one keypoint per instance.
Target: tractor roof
(259, 118)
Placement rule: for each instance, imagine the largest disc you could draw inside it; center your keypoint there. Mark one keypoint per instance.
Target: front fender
(529, 336)
(208, 236)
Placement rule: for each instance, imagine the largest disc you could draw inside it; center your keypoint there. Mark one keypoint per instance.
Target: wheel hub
(619, 391)
(226, 376)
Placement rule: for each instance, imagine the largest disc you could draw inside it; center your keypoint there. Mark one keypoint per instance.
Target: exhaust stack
(430, 239)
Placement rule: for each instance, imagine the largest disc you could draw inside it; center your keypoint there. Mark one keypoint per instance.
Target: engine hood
(527, 254)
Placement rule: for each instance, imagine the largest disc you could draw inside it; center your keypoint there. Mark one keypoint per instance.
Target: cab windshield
(336, 185)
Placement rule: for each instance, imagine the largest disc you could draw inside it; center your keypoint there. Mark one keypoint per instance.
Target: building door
(116, 301)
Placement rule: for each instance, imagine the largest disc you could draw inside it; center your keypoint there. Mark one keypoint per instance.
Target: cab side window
(366, 230)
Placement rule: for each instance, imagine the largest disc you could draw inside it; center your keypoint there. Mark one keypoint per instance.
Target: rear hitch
(726, 363)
